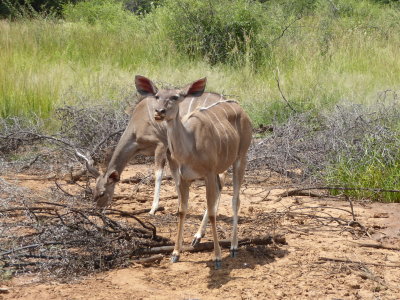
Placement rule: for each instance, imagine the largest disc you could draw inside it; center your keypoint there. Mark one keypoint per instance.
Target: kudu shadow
(248, 257)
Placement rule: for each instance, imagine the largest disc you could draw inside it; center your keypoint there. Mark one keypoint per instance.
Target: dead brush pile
(29, 143)
(66, 237)
(308, 144)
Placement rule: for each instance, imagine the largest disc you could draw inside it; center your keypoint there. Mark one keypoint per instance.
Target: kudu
(203, 144)
(143, 135)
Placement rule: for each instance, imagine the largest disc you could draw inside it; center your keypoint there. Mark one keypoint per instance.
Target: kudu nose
(160, 111)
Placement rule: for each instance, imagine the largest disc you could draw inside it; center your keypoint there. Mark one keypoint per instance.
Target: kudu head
(167, 100)
(105, 183)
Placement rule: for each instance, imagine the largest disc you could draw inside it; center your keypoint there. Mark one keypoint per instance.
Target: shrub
(141, 6)
(107, 13)
(223, 31)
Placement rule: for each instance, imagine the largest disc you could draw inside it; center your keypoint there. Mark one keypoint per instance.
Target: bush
(107, 13)
(141, 6)
(223, 31)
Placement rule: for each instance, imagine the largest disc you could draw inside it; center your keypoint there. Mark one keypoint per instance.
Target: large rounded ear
(196, 88)
(145, 86)
(113, 177)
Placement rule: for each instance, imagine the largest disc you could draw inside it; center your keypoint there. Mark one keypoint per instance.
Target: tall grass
(322, 58)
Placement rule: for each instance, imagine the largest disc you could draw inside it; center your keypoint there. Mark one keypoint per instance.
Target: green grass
(48, 62)
(372, 173)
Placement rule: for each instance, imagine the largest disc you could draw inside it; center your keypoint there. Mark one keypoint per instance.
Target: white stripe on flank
(234, 110)
(205, 100)
(219, 136)
(226, 135)
(226, 114)
(227, 117)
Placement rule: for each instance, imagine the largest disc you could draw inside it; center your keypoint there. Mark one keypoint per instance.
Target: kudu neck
(124, 151)
(180, 141)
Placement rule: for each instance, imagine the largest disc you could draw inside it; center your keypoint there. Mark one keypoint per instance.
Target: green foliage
(371, 171)
(141, 7)
(106, 13)
(222, 31)
(31, 8)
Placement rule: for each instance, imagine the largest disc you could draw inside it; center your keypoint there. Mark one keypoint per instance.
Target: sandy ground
(324, 258)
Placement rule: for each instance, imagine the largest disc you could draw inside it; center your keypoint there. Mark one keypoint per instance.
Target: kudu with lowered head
(203, 144)
(143, 135)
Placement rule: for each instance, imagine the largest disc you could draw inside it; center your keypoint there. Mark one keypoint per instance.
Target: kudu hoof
(196, 241)
(234, 252)
(217, 264)
(174, 258)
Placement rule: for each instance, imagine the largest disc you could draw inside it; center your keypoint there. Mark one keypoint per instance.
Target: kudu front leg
(159, 158)
(183, 196)
(202, 229)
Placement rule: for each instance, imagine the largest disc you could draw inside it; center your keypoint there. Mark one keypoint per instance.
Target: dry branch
(277, 79)
(348, 261)
(206, 246)
(71, 240)
(149, 260)
(378, 246)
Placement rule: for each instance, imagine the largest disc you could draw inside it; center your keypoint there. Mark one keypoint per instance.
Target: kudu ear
(113, 177)
(145, 86)
(196, 88)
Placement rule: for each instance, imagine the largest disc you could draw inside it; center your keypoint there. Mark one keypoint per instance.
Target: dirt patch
(327, 256)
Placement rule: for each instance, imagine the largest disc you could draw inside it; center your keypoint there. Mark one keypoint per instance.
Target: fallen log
(266, 240)
(149, 260)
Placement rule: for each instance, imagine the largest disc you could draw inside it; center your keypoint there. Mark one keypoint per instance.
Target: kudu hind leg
(159, 158)
(212, 191)
(202, 229)
(238, 174)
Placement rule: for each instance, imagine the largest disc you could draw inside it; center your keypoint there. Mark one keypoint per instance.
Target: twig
(62, 190)
(286, 28)
(280, 91)
(348, 261)
(351, 207)
(97, 147)
(378, 246)
(112, 211)
(25, 167)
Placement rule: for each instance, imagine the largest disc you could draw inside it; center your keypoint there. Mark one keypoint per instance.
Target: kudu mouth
(159, 116)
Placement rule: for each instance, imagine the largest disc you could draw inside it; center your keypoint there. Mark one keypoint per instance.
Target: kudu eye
(174, 98)
(157, 97)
